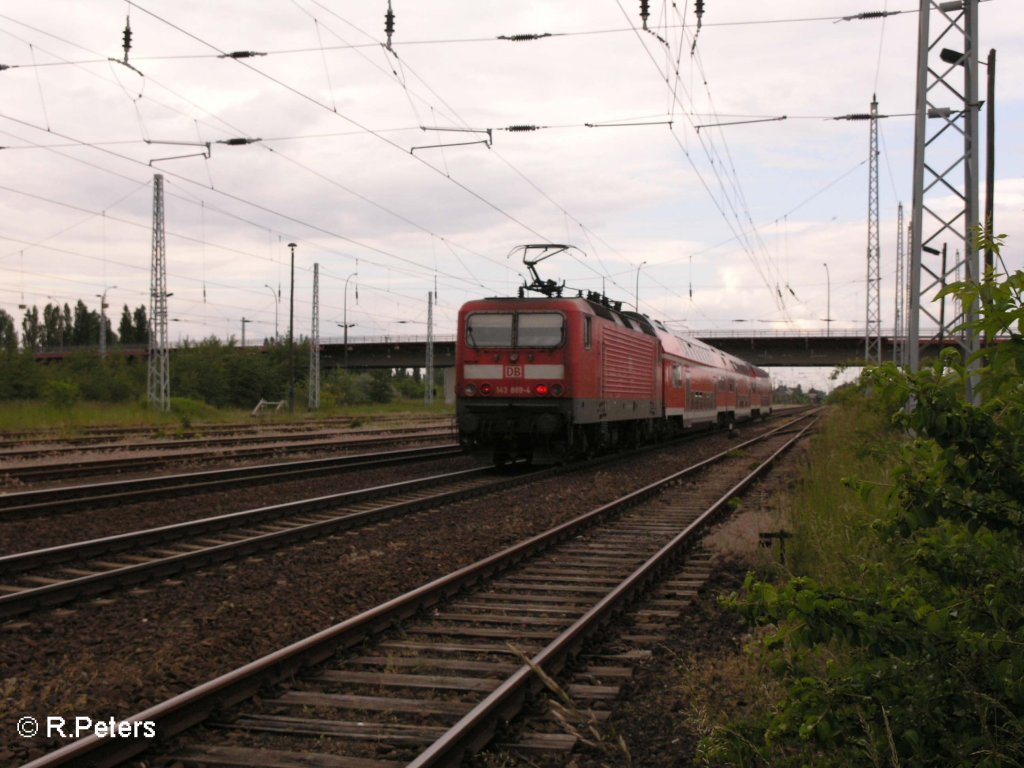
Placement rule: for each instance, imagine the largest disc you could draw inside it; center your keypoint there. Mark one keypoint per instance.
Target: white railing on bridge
(842, 333)
(352, 340)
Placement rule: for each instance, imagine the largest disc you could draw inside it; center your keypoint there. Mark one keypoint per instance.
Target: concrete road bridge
(766, 349)
(790, 349)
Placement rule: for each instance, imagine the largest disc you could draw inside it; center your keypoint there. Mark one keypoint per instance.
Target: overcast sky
(725, 227)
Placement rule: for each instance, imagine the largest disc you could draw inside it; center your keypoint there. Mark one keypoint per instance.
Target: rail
(198, 704)
(289, 523)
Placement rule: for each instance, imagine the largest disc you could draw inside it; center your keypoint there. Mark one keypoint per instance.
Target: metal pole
(899, 338)
(103, 320)
(990, 161)
(103, 325)
(971, 341)
(344, 318)
(828, 302)
(291, 336)
(428, 391)
(636, 292)
(277, 301)
(917, 201)
(313, 384)
(942, 305)
(990, 176)
(873, 308)
(159, 372)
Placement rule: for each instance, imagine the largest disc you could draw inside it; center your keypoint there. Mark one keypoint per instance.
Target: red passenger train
(547, 377)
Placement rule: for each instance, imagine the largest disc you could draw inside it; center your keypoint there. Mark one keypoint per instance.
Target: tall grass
(25, 415)
(840, 493)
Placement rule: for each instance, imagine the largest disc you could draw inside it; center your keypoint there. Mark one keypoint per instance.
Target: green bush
(409, 388)
(111, 379)
(186, 408)
(21, 378)
(62, 394)
(381, 389)
(918, 659)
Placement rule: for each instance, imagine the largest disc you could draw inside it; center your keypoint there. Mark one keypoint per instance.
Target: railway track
(56, 575)
(469, 649)
(88, 435)
(225, 442)
(96, 467)
(45, 501)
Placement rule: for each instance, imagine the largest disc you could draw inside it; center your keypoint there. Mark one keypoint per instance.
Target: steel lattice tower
(873, 313)
(900, 294)
(159, 388)
(945, 168)
(314, 344)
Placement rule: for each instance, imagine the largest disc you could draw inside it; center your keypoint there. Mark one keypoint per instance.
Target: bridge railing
(843, 333)
(438, 339)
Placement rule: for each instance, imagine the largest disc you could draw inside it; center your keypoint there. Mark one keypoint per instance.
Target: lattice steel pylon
(945, 205)
(314, 344)
(899, 294)
(873, 312)
(159, 373)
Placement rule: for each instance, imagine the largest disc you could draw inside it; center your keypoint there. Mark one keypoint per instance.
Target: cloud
(735, 213)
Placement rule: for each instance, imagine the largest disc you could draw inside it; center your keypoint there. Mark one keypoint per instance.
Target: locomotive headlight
(556, 390)
(486, 389)
(469, 390)
(542, 389)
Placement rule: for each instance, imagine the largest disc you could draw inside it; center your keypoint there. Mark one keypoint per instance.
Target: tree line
(210, 370)
(60, 327)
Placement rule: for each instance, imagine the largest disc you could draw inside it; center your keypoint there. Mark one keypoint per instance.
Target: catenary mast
(944, 213)
(159, 374)
(873, 313)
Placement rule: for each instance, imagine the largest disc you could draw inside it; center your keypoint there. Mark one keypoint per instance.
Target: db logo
(513, 371)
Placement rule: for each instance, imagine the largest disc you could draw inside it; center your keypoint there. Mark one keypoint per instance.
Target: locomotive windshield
(520, 329)
(539, 329)
(491, 329)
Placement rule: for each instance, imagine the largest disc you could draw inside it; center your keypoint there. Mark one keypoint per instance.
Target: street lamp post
(344, 318)
(277, 301)
(103, 320)
(636, 292)
(828, 302)
(245, 321)
(291, 336)
(346, 326)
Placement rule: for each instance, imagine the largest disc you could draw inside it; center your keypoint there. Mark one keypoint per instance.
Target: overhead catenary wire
(726, 202)
(236, 142)
(502, 38)
(142, 269)
(433, 236)
(305, 96)
(145, 226)
(278, 213)
(465, 127)
(411, 83)
(311, 226)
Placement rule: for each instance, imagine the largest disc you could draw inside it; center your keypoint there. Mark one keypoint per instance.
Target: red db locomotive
(550, 377)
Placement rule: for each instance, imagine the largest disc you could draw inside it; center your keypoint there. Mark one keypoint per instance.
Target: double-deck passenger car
(547, 377)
